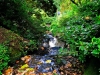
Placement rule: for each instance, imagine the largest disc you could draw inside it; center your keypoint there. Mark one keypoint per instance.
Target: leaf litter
(46, 64)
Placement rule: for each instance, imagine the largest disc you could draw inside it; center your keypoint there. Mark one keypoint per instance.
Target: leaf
(44, 74)
(8, 71)
(95, 52)
(24, 66)
(82, 48)
(55, 71)
(48, 61)
(30, 71)
(99, 46)
(93, 39)
(85, 52)
(26, 59)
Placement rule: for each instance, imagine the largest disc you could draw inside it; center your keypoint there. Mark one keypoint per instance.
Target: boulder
(17, 45)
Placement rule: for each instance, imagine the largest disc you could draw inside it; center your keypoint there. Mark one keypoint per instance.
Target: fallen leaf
(17, 62)
(68, 73)
(42, 48)
(74, 73)
(44, 74)
(30, 71)
(61, 68)
(62, 73)
(68, 65)
(26, 59)
(48, 61)
(49, 73)
(8, 71)
(24, 66)
(54, 71)
(24, 71)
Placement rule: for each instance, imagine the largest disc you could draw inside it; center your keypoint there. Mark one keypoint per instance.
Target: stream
(47, 62)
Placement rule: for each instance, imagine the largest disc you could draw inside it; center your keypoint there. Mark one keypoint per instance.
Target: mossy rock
(15, 43)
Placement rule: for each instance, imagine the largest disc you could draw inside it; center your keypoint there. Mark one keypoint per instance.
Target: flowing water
(47, 62)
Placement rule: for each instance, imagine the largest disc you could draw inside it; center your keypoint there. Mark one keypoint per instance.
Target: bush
(89, 49)
(83, 25)
(4, 57)
(91, 8)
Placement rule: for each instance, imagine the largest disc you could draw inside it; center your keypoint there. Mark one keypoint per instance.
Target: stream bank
(48, 63)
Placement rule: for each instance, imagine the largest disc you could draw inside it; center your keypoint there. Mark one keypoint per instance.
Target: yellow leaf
(44, 74)
(48, 61)
(29, 69)
(24, 66)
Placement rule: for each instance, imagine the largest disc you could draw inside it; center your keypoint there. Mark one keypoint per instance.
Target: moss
(14, 42)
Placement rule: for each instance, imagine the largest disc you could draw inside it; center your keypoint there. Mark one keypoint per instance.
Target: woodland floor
(22, 67)
(43, 65)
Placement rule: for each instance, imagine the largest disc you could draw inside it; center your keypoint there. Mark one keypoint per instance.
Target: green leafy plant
(4, 57)
(96, 47)
(79, 27)
(89, 49)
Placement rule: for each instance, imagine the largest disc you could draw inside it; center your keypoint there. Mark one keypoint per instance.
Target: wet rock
(44, 64)
(53, 51)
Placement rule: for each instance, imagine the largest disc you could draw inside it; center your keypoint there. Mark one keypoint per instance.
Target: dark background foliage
(16, 15)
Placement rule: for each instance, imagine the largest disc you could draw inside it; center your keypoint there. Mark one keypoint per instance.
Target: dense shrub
(91, 48)
(81, 24)
(91, 8)
(4, 57)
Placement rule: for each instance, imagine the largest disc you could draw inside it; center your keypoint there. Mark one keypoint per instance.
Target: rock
(15, 43)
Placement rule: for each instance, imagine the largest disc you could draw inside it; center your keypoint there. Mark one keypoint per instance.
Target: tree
(16, 15)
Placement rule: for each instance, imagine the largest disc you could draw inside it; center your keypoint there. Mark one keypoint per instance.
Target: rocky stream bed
(48, 63)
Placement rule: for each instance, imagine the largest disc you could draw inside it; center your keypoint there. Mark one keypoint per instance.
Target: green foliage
(91, 8)
(4, 57)
(96, 47)
(74, 30)
(57, 3)
(49, 20)
(78, 26)
(89, 48)
(47, 5)
(16, 15)
(32, 45)
(64, 52)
